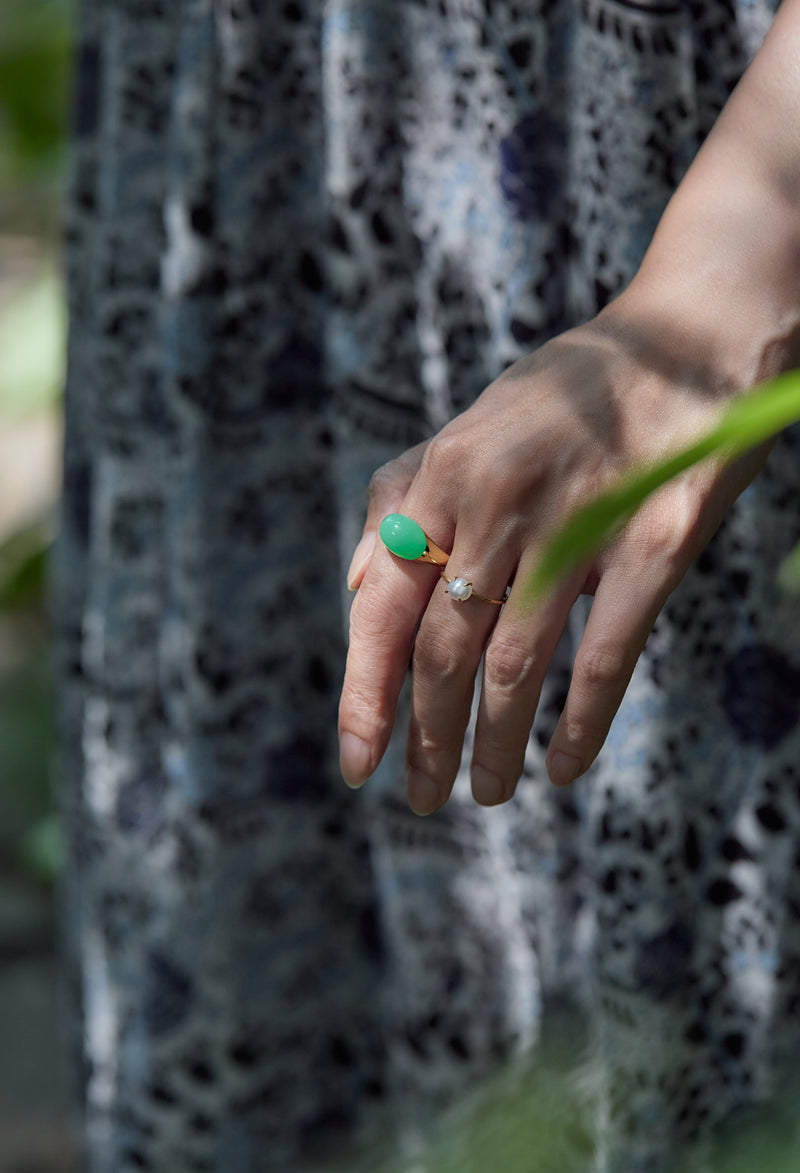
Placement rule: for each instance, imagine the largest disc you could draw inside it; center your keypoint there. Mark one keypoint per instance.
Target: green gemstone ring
(406, 538)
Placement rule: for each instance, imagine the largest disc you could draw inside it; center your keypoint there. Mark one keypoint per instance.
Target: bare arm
(724, 264)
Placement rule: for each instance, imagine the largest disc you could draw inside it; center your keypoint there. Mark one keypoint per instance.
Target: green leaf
(748, 421)
(761, 413)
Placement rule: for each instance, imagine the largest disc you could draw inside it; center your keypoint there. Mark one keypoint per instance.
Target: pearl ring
(405, 538)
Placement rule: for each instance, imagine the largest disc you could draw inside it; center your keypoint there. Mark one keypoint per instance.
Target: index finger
(383, 624)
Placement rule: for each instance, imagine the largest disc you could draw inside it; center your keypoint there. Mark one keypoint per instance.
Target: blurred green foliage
(34, 67)
(540, 1114)
(34, 102)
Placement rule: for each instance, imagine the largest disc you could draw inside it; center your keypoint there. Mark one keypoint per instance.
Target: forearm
(720, 283)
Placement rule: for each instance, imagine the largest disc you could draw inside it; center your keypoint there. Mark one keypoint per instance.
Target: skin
(714, 309)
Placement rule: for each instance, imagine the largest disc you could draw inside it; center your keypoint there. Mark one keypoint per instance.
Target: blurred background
(34, 88)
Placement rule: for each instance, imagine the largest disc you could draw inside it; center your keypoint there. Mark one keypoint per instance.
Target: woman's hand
(714, 309)
(550, 433)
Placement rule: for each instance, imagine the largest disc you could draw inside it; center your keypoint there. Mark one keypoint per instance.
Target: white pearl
(459, 589)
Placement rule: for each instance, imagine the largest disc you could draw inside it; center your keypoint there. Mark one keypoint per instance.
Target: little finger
(622, 616)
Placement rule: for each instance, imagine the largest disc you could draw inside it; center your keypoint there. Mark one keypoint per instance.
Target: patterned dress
(300, 235)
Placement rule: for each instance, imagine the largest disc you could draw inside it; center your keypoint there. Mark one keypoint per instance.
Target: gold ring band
(460, 589)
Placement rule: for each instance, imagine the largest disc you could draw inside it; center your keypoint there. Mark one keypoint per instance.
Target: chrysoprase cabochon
(403, 536)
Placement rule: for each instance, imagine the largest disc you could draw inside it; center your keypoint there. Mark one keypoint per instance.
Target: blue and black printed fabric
(300, 235)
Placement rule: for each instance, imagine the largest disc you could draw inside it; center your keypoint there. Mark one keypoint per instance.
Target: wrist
(721, 282)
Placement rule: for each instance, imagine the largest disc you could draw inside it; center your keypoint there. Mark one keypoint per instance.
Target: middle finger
(447, 652)
(518, 655)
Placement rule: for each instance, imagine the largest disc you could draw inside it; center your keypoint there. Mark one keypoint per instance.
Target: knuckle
(384, 481)
(666, 534)
(581, 487)
(601, 665)
(438, 659)
(585, 733)
(434, 748)
(371, 620)
(503, 469)
(656, 539)
(428, 746)
(365, 710)
(443, 455)
(508, 666)
(517, 470)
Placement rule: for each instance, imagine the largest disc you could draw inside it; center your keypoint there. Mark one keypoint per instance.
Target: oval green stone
(403, 536)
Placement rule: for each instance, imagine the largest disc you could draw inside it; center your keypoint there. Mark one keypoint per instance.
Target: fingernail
(354, 760)
(563, 768)
(360, 560)
(487, 788)
(423, 793)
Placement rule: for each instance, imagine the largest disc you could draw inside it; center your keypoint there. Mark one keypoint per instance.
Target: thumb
(387, 491)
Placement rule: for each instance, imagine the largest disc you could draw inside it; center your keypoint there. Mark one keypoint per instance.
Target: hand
(713, 309)
(551, 432)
